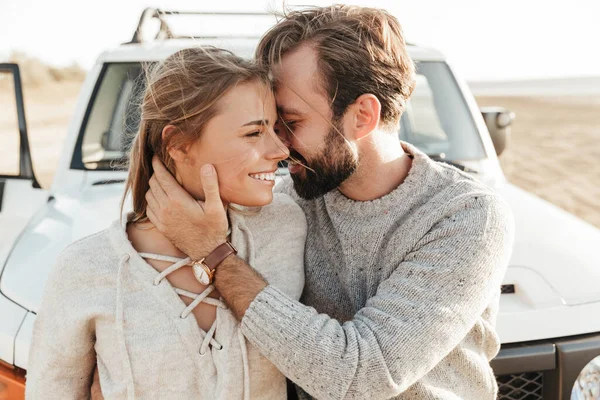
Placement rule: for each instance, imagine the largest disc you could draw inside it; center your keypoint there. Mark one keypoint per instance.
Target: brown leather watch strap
(218, 255)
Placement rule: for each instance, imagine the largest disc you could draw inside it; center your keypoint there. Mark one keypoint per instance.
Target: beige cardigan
(101, 306)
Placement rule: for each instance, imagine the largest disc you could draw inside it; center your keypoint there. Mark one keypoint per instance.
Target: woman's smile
(267, 178)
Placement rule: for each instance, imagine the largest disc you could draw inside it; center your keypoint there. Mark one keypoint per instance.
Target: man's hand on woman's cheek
(195, 227)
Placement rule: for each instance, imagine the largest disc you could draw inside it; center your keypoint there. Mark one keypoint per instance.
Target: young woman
(127, 300)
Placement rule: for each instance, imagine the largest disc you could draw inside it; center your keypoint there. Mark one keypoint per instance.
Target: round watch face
(201, 274)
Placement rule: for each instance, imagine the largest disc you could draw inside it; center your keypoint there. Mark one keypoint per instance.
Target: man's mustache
(297, 157)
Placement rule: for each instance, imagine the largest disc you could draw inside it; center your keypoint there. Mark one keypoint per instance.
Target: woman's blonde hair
(184, 91)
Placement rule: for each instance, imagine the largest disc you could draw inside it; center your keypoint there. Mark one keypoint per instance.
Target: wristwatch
(204, 269)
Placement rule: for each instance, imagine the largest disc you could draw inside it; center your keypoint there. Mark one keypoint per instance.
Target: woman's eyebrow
(257, 122)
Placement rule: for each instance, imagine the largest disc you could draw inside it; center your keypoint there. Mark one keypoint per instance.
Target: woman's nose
(285, 137)
(277, 148)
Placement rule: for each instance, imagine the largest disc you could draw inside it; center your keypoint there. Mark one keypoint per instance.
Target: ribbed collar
(414, 187)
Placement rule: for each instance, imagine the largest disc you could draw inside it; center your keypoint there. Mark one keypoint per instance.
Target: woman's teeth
(264, 177)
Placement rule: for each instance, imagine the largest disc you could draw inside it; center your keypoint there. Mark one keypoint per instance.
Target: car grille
(525, 386)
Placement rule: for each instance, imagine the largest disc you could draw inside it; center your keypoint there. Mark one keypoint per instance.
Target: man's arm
(418, 315)
(416, 318)
(239, 284)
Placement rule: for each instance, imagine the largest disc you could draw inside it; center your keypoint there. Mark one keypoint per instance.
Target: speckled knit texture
(401, 293)
(101, 307)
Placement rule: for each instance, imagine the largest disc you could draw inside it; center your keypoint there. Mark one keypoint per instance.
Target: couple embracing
(372, 272)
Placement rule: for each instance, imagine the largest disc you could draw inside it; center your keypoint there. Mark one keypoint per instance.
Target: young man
(404, 256)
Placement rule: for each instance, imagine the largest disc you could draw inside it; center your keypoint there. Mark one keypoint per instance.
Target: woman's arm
(62, 356)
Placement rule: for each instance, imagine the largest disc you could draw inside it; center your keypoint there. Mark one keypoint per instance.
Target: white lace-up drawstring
(120, 326)
(202, 298)
(197, 298)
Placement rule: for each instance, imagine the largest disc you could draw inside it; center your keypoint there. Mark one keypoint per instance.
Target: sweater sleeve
(420, 313)
(62, 356)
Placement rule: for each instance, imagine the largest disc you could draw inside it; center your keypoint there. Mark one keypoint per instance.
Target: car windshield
(436, 120)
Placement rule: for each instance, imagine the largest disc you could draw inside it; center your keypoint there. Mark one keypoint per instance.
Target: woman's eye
(254, 134)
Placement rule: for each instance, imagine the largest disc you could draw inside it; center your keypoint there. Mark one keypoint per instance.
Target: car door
(20, 192)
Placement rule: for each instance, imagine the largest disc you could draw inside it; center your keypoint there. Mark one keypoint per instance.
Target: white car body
(555, 265)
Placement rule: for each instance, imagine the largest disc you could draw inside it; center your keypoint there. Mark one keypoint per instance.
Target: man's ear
(366, 113)
(177, 153)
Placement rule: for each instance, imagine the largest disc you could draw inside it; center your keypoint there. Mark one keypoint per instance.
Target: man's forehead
(297, 83)
(298, 69)
(299, 101)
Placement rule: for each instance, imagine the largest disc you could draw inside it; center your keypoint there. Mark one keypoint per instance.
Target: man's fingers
(201, 204)
(165, 180)
(210, 184)
(167, 191)
(152, 217)
(157, 190)
(152, 203)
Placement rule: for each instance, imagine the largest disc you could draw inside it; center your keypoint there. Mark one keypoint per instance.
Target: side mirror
(498, 121)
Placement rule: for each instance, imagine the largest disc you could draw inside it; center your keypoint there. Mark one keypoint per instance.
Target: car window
(436, 119)
(114, 117)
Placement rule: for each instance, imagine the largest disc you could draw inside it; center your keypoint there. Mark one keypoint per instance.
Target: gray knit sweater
(401, 292)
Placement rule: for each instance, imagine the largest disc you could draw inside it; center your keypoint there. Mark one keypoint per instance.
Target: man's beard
(328, 170)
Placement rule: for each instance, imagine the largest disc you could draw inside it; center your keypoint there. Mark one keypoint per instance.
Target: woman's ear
(366, 115)
(176, 153)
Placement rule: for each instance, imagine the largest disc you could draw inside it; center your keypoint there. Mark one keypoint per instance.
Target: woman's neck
(145, 238)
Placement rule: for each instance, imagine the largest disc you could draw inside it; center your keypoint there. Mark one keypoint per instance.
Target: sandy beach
(48, 110)
(554, 151)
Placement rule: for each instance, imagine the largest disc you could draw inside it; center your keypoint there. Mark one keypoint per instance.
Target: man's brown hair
(360, 50)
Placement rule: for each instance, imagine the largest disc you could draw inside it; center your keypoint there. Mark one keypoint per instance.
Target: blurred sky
(483, 39)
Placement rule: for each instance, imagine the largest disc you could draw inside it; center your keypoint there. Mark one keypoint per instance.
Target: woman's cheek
(233, 188)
